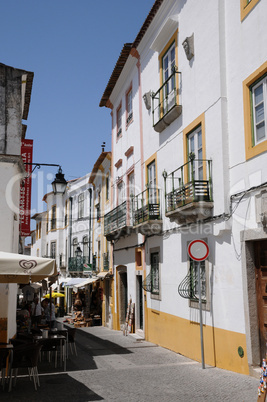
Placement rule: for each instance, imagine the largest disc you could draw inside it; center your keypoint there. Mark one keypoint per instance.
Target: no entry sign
(198, 250)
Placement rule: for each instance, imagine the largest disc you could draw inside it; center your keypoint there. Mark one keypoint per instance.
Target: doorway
(260, 252)
(139, 304)
(123, 297)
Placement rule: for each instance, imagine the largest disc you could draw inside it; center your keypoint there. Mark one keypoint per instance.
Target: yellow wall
(183, 336)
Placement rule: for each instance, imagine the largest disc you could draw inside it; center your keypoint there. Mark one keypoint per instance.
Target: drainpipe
(90, 222)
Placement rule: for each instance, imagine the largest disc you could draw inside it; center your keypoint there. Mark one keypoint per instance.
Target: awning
(86, 282)
(102, 274)
(73, 281)
(20, 268)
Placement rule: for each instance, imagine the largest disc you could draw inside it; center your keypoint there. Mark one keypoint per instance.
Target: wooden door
(260, 248)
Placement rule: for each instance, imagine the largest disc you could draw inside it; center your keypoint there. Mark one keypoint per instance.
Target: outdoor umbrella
(54, 294)
(20, 268)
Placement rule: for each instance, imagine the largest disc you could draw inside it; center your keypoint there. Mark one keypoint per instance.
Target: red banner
(26, 189)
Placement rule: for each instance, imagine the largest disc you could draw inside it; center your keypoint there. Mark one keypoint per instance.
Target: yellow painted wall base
(183, 336)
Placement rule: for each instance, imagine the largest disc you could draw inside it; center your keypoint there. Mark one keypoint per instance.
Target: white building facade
(189, 145)
(15, 95)
(63, 229)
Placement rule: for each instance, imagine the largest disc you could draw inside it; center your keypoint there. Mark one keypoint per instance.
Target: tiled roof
(125, 54)
(96, 166)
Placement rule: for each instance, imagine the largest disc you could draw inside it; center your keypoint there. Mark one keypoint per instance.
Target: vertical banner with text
(25, 189)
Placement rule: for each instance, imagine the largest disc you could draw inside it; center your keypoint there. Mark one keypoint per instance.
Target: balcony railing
(117, 220)
(76, 264)
(106, 261)
(146, 206)
(165, 108)
(183, 188)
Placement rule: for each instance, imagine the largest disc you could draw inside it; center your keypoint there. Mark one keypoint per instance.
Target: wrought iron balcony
(188, 198)
(105, 261)
(146, 211)
(76, 264)
(165, 108)
(117, 222)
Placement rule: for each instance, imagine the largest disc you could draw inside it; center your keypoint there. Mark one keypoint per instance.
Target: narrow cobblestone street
(112, 367)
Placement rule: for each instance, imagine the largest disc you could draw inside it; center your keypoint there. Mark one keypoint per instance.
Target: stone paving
(113, 367)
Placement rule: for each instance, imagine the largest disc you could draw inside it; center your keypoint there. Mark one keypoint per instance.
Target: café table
(63, 331)
(58, 339)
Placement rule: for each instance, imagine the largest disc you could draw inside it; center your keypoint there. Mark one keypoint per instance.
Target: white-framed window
(131, 192)
(194, 286)
(259, 109)
(129, 106)
(119, 114)
(66, 213)
(85, 246)
(53, 245)
(120, 190)
(97, 207)
(80, 206)
(53, 217)
(195, 149)
(107, 187)
(168, 64)
(152, 182)
(155, 273)
(74, 246)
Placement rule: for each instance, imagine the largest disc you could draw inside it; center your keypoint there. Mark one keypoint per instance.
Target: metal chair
(51, 346)
(71, 339)
(6, 357)
(26, 356)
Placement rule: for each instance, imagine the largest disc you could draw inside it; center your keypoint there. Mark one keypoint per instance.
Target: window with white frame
(119, 113)
(97, 207)
(53, 218)
(66, 213)
(195, 150)
(107, 187)
(129, 106)
(74, 246)
(259, 108)
(53, 249)
(85, 246)
(168, 64)
(80, 206)
(152, 182)
(194, 286)
(121, 195)
(155, 273)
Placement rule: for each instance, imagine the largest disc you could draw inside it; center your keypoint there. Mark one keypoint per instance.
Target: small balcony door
(121, 196)
(152, 183)
(195, 147)
(168, 63)
(131, 193)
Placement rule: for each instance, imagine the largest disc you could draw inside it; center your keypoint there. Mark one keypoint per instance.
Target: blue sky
(72, 47)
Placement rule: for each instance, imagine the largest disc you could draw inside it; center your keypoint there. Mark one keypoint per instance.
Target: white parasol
(20, 268)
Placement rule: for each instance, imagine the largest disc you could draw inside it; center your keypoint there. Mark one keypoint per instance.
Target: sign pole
(198, 250)
(200, 316)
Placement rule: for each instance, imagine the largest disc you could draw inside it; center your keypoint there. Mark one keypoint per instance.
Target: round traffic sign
(198, 250)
